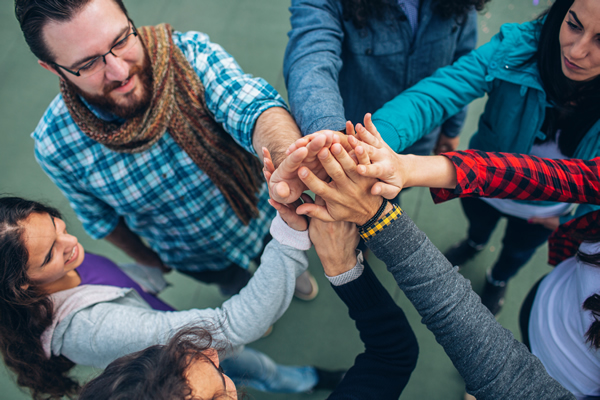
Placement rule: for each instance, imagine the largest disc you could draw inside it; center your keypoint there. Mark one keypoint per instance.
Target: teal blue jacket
(515, 109)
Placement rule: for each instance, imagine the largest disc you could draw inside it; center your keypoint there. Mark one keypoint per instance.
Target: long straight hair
(576, 104)
(26, 313)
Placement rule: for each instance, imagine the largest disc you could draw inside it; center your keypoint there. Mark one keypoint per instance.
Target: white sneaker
(306, 287)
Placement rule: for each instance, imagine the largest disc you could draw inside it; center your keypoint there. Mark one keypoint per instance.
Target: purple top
(98, 270)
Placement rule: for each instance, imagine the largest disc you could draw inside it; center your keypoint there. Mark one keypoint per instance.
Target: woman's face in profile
(580, 41)
(53, 253)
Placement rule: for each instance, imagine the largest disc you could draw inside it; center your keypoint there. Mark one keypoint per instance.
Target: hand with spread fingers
(335, 243)
(397, 171)
(347, 196)
(377, 160)
(284, 186)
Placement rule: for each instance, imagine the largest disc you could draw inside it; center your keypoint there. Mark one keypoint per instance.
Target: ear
(25, 287)
(49, 67)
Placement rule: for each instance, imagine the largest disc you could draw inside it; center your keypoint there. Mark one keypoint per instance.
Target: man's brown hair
(33, 15)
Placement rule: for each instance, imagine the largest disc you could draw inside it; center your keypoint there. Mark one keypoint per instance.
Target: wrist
(335, 267)
(373, 215)
(408, 168)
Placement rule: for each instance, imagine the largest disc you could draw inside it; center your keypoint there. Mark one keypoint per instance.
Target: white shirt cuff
(351, 275)
(288, 236)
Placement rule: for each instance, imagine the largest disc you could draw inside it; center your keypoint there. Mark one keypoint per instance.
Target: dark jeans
(231, 279)
(525, 313)
(520, 241)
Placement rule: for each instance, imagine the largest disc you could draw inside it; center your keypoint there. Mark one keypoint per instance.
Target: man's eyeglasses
(94, 66)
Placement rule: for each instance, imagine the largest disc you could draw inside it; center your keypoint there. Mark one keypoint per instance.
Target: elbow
(413, 353)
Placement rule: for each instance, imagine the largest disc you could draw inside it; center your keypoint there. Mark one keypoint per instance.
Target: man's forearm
(131, 244)
(276, 130)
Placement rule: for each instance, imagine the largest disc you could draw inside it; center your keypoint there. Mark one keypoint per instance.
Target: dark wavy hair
(576, 104)
(156, 373)
(360, 11)
(592, 303)
(26, 313)
(33, 15)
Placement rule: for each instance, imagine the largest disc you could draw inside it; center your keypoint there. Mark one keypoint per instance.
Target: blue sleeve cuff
(330, 123)
(252, 113)
(389, 135)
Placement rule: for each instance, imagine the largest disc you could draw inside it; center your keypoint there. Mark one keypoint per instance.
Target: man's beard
(131, 109)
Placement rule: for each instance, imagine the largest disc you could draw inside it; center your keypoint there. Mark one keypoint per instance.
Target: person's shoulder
(56, 130)
(55, 115)
(191, 41)
(528, 32)
(517, 42)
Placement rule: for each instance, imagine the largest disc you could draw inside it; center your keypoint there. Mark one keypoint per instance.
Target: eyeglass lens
(98, 64)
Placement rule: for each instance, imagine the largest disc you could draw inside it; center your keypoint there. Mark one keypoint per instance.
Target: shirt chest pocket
(378, 38)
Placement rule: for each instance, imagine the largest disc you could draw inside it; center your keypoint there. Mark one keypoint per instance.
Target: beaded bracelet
(375, 217)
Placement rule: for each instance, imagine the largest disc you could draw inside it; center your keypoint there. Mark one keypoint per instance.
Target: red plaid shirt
(516, 176)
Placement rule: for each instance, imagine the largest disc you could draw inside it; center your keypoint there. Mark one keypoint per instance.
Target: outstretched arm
(493, 364)
(524, 177)
(475, 173)
(312, 63)
(127, 326)
(383, 369)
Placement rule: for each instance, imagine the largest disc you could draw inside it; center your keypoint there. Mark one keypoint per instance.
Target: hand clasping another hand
(347, 195)
(284, 185)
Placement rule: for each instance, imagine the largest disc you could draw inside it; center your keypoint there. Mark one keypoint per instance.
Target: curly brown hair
(155, 373)
(26, 313)
(360, 11)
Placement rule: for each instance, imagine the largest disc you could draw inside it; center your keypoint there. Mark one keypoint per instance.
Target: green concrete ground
(320, 332)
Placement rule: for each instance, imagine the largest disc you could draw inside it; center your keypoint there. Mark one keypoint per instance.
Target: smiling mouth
(72, 256)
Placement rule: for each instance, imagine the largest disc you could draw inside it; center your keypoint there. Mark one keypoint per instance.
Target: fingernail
(336, 149)
(303, 173)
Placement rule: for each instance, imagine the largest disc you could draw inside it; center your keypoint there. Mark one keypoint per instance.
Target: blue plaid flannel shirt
(163, 196)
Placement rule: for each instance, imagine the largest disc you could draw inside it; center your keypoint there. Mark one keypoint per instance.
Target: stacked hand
(335, 242)
(285, 187)
(352, 192)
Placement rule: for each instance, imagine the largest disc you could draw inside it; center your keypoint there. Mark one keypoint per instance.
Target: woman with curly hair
(60, 306)
(348, 57)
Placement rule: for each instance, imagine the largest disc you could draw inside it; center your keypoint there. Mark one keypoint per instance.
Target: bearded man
(153, 139)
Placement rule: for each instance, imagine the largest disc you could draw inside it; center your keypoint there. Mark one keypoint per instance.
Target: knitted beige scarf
(178, 105)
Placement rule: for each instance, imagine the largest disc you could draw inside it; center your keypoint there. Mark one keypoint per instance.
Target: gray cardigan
(492, 362)
(95, 324)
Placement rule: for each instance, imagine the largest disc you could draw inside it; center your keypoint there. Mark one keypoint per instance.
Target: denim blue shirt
(162, 194)
(335, 72)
